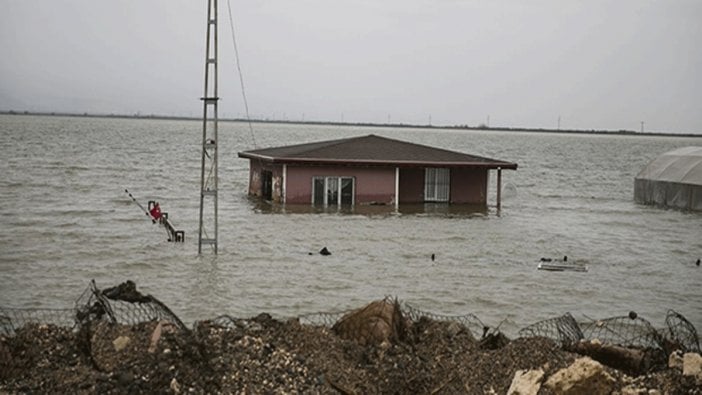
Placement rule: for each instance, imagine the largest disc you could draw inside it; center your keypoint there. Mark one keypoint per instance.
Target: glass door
(333, 191)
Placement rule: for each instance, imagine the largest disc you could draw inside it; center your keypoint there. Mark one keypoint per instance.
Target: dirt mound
(264, 355)
(378, 322)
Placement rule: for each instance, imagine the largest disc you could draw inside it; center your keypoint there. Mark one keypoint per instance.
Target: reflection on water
(449, 210)
(438, 209)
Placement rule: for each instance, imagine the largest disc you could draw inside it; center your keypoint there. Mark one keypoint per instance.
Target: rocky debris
(120, 343)
(639, 391)
(668, 381)
(265, 355)
(692, 366)
(161, 327)
(631, 360)
(526, 382)
(585, 376)
(675, 360)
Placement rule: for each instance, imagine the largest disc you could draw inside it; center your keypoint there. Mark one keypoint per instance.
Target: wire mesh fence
(327, 319)
(681, 332)
(626, 331)
(12, 319)
(470, 321)
(117, 340)
(564, 330)
(124, 305)
(477, 328)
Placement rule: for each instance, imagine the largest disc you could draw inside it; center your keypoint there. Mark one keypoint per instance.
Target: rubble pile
(376, 349)
(264, 355)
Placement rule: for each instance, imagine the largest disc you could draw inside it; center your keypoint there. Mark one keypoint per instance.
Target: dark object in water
(555, 267)
(434, 256)
(698, 262)
(560, 266)
(324, 251)
(632, 315)
(565, 259)
(127, 292)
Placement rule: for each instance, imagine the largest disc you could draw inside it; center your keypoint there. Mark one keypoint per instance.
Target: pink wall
(469, 186)
(372, 184)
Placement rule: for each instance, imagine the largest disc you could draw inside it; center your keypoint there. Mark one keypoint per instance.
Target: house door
(332, 196)
(267, 185)
(346, 191)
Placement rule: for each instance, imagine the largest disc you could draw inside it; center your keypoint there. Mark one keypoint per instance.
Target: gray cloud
(596, 64)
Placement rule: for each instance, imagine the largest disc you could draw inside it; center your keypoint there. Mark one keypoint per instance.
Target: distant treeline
(364, 124)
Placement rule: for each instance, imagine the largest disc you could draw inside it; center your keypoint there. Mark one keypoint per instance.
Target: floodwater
(66, 219)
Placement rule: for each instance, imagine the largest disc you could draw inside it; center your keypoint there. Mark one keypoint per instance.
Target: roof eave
(372, 162)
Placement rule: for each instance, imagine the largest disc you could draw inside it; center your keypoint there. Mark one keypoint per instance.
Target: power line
(241, 75)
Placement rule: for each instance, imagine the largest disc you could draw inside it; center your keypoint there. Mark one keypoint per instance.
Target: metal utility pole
(208, 174)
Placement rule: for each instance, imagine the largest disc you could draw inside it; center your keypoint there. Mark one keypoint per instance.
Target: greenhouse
(673, 179)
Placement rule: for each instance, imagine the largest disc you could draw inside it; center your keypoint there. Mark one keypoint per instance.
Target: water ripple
(66, 220)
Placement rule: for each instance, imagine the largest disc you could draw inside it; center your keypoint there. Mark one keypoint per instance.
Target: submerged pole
(397, 188)
(499, 188)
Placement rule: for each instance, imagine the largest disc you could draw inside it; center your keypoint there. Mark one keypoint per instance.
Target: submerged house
(369, 170)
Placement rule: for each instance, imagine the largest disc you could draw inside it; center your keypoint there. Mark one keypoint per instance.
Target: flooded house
(370, 170)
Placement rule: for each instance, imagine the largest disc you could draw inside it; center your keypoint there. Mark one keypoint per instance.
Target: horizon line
(623, 132)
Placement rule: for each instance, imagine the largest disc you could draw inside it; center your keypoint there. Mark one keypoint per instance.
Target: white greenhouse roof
(683, 165)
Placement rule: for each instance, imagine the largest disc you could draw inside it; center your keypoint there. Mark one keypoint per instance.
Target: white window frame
(339, 184)
(437, 184)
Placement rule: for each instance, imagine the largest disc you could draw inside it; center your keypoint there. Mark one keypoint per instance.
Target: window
(332, 191)
(436, 184)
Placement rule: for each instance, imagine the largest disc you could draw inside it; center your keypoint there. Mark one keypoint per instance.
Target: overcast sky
(595, 64)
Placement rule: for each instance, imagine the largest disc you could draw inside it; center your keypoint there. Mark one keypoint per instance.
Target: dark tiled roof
(372, 150)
